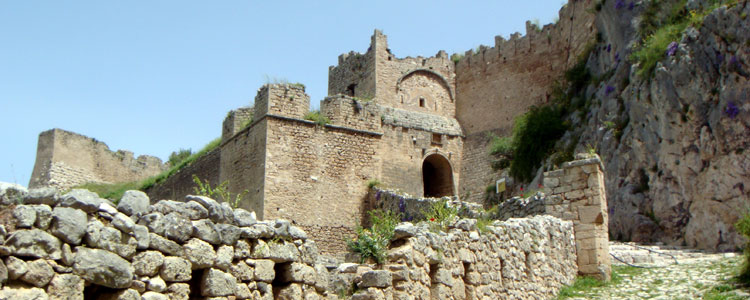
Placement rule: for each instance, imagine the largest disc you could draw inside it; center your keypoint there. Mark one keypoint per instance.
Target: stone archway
(437, 176)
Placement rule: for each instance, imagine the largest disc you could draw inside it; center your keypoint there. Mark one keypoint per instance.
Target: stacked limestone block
(412, 208)
(576, 193)
(78, 245)
(515, 259)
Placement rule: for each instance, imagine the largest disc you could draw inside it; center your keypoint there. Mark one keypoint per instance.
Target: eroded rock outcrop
(678, 170)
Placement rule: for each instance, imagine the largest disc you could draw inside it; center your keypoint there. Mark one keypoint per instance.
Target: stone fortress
(418, 125)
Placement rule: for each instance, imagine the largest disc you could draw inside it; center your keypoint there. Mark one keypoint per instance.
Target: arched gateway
(437, 176)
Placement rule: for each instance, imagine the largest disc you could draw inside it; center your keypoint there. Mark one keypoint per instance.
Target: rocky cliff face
(675, 145)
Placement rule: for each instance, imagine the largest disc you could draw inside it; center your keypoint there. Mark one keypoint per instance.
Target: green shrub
(743, 227)
(662, 23)
(219, 192)
(440, 214)
(316, 117)
(373, 183)
(373, 242)
(178, 156)
(534, 136)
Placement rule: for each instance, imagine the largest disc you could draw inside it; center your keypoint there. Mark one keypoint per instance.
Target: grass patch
(584, 284)
(316, 117)
(439, 215)
(662, 23)
(111, 191)
(373, 183)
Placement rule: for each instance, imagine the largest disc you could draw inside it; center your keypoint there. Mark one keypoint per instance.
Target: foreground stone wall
(65, 159)
(514, 259)
(77, 246)
(499, 83)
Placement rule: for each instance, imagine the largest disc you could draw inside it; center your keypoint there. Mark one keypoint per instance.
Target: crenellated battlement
(570, 33)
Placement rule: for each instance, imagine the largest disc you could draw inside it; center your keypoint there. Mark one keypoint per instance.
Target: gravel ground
(670, 273)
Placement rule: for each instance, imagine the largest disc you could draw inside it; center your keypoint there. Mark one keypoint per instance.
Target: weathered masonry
(416, 124)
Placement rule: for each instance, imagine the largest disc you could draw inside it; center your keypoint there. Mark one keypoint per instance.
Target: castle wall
(402, 82)
(351, 112)
(499, 83)
(317, 176)
(353, 76)
(181, 183)
(66, 159)
(242, 165)
(405, 148)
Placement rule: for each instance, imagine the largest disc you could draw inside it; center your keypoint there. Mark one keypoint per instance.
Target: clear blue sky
(156, 76)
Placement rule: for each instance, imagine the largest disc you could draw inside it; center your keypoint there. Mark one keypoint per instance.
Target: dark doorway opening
(350, 89)
(437, 176)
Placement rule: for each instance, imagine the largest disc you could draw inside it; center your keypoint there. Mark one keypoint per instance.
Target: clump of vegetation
(177, 157)
(373, 183)
(440, 214)
(534, 136)
(662, 24)
(486, 218)
(373, 242)
(743, 227)
(219, 192)
(456, 57)
(584, 284)
(316, 117)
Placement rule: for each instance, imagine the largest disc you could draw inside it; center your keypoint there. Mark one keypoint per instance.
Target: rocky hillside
(675, 138)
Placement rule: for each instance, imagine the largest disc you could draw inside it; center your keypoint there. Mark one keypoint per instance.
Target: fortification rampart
(499, 83)
(66, 159)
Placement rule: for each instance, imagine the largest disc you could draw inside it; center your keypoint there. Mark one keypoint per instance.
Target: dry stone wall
(77, 246)
(514, 259)
(65, 159)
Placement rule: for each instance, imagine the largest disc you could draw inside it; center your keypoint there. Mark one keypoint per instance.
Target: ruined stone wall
(353, 76)
(181, 183)
(317, 175)
(66, 159)
(499, 83)
(351, 112)
(235, 121)
(286, 100)
(577, 194)
(515, 259)
(79, 246)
